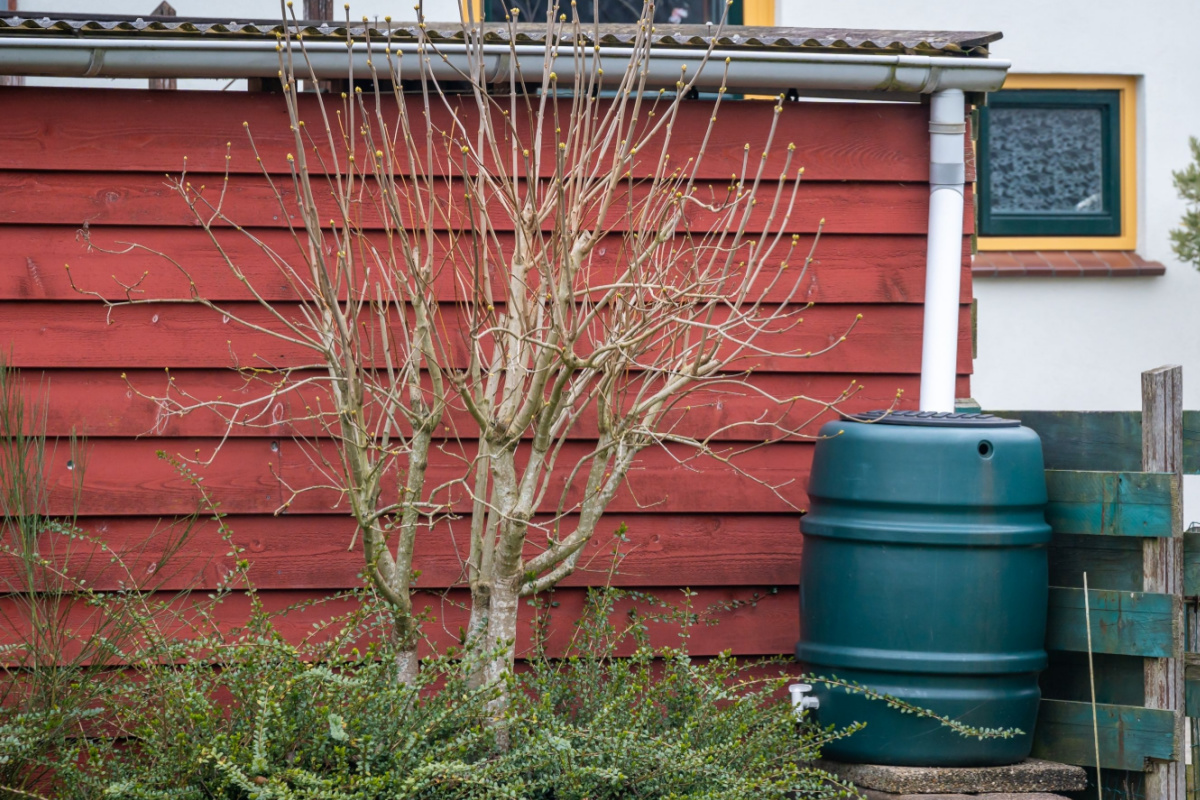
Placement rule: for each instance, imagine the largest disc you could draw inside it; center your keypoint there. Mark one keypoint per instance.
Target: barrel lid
(943, 419)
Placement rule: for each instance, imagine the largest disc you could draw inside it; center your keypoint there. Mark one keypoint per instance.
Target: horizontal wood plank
(314, 551)
(1111, 562)
(748, 621)
(100, 403)
(114, 198)
(251, 476)
(858, 269)
(1119, 679)
(1102, 440)
(1123, 623)
(1129, 735)
(47, 335)
(79, 130)
(1111, 503)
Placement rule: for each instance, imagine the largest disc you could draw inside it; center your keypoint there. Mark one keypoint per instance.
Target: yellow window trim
(754, 12)
(1127, 85)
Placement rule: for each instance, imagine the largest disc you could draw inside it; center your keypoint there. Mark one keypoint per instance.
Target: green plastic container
(924, 576)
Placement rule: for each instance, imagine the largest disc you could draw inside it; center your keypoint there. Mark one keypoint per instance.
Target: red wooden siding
(97, 158)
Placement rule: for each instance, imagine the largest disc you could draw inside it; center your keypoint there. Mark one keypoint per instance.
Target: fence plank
(1192, 690)
(1110, 440)
(1162, 565)
(1191, 563)
(1123, 623)
(1128, 734)
(1111, 562)
(1111, 503)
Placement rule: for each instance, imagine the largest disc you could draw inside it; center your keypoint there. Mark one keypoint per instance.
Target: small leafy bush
(253, 716)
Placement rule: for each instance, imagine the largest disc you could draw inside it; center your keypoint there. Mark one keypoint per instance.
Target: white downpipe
(145, 57)
(943, 260)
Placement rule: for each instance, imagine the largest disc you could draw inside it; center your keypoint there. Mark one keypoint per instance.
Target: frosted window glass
(1046, 160)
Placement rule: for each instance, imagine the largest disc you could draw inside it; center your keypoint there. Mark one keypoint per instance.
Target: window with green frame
(1049, 163)
(688, 12)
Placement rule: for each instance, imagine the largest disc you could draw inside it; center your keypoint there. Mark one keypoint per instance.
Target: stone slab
(871, 794)
(1031, 775)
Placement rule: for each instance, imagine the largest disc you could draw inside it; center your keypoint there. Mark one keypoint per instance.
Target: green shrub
(1185, 240)
(326, 720)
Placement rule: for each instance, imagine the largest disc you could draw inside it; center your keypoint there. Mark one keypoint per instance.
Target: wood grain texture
(1120, 679)
(1162, 451)
(858, 269)
(77, 157)
(1111, 562)
(99, 403)
(115, 198)
(61, 129)
(74, 335)
(749, 621)
(250, 476)
(314, 551)
(1123, 623)
(1129, 735)
(1192, 691)
(1112, 503)
(1105, 440)
(1191, 568)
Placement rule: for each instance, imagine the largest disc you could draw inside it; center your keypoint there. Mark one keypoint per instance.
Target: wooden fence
(1115, 488)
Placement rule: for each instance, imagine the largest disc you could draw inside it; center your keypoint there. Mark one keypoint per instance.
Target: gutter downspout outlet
(943, 261)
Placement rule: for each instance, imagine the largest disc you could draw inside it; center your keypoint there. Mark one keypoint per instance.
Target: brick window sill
(1063, 264)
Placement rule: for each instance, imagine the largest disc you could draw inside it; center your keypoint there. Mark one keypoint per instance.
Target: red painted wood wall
(72, 158)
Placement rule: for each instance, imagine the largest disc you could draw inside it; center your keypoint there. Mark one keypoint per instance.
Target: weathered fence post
(1162, 564)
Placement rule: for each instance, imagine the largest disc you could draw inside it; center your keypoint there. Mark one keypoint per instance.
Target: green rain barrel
(924, 576)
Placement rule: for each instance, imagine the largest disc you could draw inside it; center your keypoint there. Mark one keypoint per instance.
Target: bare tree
(484, 274)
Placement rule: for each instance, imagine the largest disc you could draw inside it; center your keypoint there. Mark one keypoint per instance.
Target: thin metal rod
(1087, 619)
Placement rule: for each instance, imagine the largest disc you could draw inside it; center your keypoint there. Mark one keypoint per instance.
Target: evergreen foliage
(1185, 240)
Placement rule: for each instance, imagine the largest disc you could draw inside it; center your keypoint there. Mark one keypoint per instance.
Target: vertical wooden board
(1111, 562)
(1111, 503)
(1162, 566)
(1191, 566)
(1192, 690)
(1128, 735)
(1124, 623)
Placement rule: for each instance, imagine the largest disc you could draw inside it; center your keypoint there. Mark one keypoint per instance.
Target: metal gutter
(749, 70)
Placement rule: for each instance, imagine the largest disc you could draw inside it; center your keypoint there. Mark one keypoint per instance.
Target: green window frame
(493, 10)
(1041, 223)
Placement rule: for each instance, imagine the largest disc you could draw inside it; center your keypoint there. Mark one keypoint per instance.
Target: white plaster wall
(1081, 343)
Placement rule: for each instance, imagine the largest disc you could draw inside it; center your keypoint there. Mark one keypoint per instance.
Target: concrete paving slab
(1031, 775)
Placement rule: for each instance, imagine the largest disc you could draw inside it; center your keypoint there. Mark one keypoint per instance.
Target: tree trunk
(408, 663)
(501, 637)
(477, 636)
